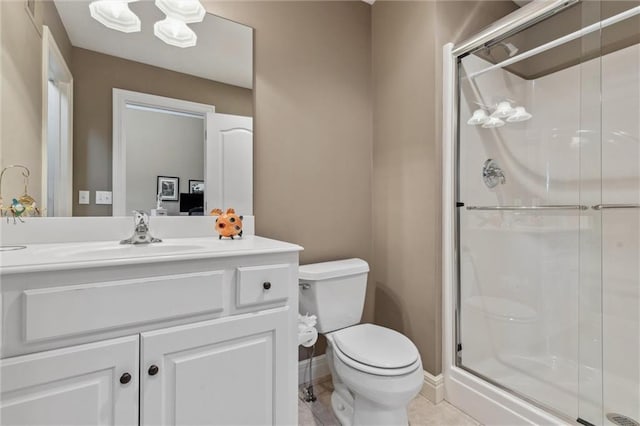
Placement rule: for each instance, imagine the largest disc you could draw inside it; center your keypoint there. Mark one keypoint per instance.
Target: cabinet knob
(266, 285)
(125, 378)
(153, 370)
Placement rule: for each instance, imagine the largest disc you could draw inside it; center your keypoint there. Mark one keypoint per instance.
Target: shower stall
(542, 216)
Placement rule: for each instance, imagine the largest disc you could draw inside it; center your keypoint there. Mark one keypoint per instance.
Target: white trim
(319, 369)
(64, 78)
(120, 100)
(476, 397)
(598, 26)
(433, 387)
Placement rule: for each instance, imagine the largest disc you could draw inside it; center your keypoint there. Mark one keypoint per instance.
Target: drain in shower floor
(621, 420)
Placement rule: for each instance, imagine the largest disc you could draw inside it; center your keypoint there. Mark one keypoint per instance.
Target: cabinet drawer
(258, 285)
(67, 310)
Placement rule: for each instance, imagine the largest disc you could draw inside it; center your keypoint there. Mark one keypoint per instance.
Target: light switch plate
(83, 197)
(103, 197)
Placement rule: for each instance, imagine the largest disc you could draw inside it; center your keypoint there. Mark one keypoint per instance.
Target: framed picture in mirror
(196, 186)
(168, 187)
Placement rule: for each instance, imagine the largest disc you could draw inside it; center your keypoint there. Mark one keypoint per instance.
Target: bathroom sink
(114, 250)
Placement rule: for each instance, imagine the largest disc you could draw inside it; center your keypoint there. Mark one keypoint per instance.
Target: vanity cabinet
(220, 372)
(190, 342)
(93, 384)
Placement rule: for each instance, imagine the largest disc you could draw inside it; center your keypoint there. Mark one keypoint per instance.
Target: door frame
(120, 100)
(55, 67)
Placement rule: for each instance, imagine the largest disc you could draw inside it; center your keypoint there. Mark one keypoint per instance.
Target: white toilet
(376, 371)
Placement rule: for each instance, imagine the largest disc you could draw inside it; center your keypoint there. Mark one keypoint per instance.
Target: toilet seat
(375, 350)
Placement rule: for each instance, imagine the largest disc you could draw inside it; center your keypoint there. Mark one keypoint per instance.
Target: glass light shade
(503, 110)
(188, 11)
(115, 14)
(519, 114)
(479, 117)
(492, 123)
(175, 32)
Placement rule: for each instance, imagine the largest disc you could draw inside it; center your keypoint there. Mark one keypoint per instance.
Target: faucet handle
(492, 174)
(140, 217)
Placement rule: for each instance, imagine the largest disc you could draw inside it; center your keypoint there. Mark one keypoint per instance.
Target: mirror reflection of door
(152, 136)
(230, 155)
(57, 152)
(205, 157)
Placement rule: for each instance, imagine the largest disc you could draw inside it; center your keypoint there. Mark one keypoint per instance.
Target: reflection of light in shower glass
(492, 123)
(503, 110)
(519, 114)
(479, 117)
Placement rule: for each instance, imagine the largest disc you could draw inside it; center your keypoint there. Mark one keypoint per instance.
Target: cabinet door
(231, 371)
(79, 385)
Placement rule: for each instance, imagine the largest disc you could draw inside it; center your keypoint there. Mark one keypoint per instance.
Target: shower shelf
(529, 208)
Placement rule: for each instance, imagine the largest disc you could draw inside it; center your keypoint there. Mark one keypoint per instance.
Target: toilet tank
(334, 292)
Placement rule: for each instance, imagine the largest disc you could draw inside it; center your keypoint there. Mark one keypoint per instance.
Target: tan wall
(21, 91)
(313, 135)
(406, 55)
(95, 75)
(313, 131)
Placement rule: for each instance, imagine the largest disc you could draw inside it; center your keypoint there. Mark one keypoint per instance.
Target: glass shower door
(620, 216)
(530, 292)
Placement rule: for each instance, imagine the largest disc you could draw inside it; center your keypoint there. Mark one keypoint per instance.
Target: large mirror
(109, 118)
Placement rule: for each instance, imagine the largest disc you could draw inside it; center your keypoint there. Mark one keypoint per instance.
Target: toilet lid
(376, 346)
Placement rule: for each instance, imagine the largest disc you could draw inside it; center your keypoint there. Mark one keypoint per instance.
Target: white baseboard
(433, 387)
(319, 369)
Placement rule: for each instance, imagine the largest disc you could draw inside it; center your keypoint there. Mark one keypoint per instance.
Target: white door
(57, 130)
(229, 174)
(220, 372)
(81, 385)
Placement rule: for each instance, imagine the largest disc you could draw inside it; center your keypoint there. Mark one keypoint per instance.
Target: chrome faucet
(492, 174)
(141, 233)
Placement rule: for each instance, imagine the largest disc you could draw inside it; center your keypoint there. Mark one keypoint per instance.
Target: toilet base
(362, 412)
(342, 407)
(372, 414)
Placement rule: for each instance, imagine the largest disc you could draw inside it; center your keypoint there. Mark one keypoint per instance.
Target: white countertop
(49, 257)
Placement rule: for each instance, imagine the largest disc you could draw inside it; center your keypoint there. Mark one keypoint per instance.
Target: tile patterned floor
(421, 411)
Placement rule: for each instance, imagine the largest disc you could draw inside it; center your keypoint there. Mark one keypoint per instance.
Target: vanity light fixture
(173, 29)
(175, 32)
(187, 11)
(115, 14)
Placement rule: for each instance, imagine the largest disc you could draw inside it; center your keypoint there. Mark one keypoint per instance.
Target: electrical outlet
(83, 197)
(103, 197)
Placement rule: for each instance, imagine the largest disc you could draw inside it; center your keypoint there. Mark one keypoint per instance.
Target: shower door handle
(525, 208)
(615, 206)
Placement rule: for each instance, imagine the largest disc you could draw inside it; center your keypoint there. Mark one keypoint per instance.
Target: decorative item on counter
(20, 207)
(159, 210)
(227, 224)
(141, 233)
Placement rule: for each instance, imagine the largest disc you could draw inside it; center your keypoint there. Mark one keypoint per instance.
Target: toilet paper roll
(308, 337)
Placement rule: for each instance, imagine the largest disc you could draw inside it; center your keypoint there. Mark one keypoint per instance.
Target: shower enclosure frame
(487, 402)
